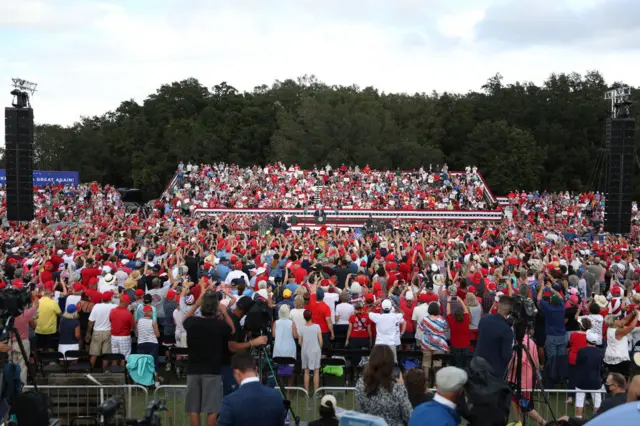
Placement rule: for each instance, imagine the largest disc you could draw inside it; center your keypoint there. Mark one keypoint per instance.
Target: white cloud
(88, 56)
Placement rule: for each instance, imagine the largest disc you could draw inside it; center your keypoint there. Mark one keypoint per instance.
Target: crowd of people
(111, 282)
(280, 187)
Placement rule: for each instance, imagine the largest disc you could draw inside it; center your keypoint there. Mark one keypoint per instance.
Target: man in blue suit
(495, 338)
(253, 403)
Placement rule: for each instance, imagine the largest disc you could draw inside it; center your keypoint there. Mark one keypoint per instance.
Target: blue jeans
(149, 349)
(461, 357)
(556, 345)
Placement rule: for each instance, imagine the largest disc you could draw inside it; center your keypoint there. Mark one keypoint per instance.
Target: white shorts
(596, 396)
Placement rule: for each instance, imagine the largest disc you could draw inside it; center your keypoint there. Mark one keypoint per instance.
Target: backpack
(31, 409)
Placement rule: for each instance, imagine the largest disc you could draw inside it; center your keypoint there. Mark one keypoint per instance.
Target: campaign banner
(47, 177)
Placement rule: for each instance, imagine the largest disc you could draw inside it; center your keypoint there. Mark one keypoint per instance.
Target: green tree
(510, 156)
(520, 135)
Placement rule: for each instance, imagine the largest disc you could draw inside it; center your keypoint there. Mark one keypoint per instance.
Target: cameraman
(237, 343)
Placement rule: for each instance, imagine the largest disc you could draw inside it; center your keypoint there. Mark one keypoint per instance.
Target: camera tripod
(286, 401)
(520, 330)
(11, 331)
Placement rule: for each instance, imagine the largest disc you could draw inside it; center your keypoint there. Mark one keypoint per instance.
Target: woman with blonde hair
(284, 332)
(297, 313)
(475, 310)
(300, 291)
(70, 336)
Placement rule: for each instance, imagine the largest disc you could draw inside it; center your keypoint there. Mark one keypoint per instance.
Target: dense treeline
(519, 135)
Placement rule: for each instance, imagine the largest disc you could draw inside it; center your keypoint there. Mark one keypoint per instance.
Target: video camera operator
(238, 342)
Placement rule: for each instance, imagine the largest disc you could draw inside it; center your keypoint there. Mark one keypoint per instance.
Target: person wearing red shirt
(56, 260)
(299, 273)
(46, 274)
(359, 332)
(407, 305)
(88, 272)
(577, 341)
(321, 316)
(122, 323)
(460, 340)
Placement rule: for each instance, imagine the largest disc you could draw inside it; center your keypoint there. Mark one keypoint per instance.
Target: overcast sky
(88, 56)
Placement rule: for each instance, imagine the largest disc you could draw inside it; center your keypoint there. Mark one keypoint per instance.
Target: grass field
(69, 402)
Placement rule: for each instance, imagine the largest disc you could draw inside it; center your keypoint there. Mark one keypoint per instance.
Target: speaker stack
(18, 127)
(620, 135)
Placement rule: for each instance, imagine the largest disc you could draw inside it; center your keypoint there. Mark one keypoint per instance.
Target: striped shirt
(146, 334)
(434, 333)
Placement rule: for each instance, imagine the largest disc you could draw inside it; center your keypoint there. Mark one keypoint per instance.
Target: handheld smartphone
(395, 373)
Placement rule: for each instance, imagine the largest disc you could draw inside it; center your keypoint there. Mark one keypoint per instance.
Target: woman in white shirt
(148, 333)
(596, 321)
(284, 332)
(344, 310)
(475, 310)
(616, 356)
(297, 313)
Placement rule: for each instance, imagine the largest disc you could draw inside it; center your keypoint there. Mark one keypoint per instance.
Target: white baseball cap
(386, 305)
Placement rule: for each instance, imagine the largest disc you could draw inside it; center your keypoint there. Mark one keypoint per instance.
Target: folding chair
(78, 361)
(331, 380)
(51, 362)
(119, 368)
(445, 360)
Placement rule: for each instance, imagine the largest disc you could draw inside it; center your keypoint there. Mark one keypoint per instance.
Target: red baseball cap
(125, 299)
(139, 292)
(368, 298)
(147, 309)
(171, 295)
(107, 296)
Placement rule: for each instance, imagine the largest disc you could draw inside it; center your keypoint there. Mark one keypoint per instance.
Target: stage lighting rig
(620, 101)
(20, 92)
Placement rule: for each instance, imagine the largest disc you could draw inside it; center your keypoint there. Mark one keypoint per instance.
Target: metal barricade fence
(345, 397)
(559, 402)
(69, 402)
(175, 396)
